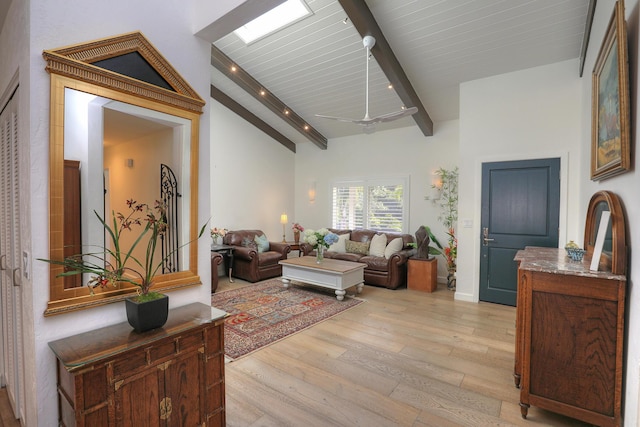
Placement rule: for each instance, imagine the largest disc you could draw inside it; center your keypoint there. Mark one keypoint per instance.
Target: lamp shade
(283, 218)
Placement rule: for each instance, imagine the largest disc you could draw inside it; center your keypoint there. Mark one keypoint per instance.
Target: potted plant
(113, 264)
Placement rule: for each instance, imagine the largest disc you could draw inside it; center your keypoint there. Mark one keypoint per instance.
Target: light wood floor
(6, 414)
(403, 358)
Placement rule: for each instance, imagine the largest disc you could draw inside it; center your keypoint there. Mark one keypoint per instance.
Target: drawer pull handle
(165, 408)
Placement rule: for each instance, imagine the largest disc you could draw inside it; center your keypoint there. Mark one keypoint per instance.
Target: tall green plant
(448, 214)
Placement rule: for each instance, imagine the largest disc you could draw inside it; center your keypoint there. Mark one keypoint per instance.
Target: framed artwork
(610, 151)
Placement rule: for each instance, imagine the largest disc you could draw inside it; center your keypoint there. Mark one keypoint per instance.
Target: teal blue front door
(520, 207)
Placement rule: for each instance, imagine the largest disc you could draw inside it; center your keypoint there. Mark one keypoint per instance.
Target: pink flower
(297, 227)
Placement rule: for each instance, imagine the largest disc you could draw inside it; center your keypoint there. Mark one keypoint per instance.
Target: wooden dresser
(569, 337)
(171, 376)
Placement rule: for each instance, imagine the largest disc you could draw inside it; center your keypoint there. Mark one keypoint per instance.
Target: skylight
(279, 17)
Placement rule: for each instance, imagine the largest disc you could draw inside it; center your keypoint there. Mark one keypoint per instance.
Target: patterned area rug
(264, 313)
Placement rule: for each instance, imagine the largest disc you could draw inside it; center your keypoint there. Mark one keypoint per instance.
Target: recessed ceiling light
(277, 18)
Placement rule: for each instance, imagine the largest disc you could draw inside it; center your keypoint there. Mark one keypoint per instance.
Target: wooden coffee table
(330, 273)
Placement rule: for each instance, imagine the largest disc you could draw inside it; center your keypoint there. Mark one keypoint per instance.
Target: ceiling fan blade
(340, 119)
(389, 117)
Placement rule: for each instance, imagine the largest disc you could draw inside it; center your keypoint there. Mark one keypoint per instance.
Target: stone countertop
(556, 261)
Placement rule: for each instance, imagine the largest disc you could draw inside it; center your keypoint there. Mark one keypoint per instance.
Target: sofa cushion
(262, 242)
(357, 247)
(377, 263)
(248, 243)
(348, 257)
(378, 244)
(269, 258)
(339, 246)
(394, 246)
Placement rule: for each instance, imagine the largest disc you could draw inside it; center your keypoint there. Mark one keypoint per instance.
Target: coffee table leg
(340, 294)
(285, 282)
(359, 287)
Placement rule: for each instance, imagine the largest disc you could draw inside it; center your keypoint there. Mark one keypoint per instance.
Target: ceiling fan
(368, 123)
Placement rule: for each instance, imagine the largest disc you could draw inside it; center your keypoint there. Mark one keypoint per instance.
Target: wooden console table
(169, 376)
(569, 337)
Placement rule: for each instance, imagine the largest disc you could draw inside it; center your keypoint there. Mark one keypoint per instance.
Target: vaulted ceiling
(317, 65)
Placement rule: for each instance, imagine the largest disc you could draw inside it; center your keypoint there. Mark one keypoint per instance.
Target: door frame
(473, 246)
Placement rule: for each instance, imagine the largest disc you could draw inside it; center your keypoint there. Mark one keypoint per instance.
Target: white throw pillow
(339, 246)
(394, 246)
(378, 244)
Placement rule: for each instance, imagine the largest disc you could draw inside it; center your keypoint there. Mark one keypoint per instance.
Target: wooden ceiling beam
(364, 22)
(232, 105)
(243, 79)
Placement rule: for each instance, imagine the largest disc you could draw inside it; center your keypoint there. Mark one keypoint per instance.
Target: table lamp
(283, 220)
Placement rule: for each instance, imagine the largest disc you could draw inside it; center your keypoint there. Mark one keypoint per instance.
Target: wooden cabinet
(171, 376)
(422, 274)
(569, 337)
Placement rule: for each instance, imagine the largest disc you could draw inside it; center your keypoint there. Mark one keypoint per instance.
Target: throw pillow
(394, 246)
(262, 242)
(248, 243)
(357, 247)
(339, 246)
(378, 244)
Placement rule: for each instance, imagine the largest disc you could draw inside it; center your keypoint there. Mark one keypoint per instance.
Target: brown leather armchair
(248, 263)
(216, 260)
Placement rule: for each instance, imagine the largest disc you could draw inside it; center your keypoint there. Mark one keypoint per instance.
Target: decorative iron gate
(171, 238)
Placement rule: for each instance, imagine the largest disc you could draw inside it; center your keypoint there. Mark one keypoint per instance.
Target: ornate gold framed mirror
(118, 105)
(614, 251)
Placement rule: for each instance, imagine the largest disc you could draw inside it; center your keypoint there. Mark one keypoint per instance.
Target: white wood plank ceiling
(317, 65)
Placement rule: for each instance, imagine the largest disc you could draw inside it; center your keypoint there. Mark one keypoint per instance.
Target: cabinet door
(184, 390)
(138, 398)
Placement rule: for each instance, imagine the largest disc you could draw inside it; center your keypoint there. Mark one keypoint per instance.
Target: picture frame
(610, 123)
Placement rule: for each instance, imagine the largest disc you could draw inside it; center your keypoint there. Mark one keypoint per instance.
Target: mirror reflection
(114, 152)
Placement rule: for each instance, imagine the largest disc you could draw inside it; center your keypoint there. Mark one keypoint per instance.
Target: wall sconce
(435, 191)
(283, 220)
(312, 192)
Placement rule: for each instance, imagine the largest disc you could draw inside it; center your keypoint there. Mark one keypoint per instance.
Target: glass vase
(319, 254)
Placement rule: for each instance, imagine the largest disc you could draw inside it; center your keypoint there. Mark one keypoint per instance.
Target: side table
(422, 274)
(295, 247)
(227, 251)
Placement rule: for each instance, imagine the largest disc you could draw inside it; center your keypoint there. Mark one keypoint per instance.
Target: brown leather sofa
(216, 260)
(389, 273)
(248, 263)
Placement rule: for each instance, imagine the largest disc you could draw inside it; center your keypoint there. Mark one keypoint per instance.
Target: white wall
(252, 177)
(396, 152)
(31, 27)
(528, 114)
(625, 186)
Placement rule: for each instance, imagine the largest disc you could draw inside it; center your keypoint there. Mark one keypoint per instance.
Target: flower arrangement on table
(297, 229)
(319, 240)
(115, 264)
(218, 232)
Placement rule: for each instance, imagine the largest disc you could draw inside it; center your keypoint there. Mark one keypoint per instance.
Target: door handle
(485, 237)
(3, 262)
(17, 279)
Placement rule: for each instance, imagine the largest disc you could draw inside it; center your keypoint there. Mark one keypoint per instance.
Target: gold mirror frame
(616, 261)
(70, 67)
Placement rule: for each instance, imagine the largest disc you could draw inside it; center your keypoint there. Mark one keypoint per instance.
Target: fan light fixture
(368, 124)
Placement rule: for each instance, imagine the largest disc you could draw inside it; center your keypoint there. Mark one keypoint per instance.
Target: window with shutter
(374, 204)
